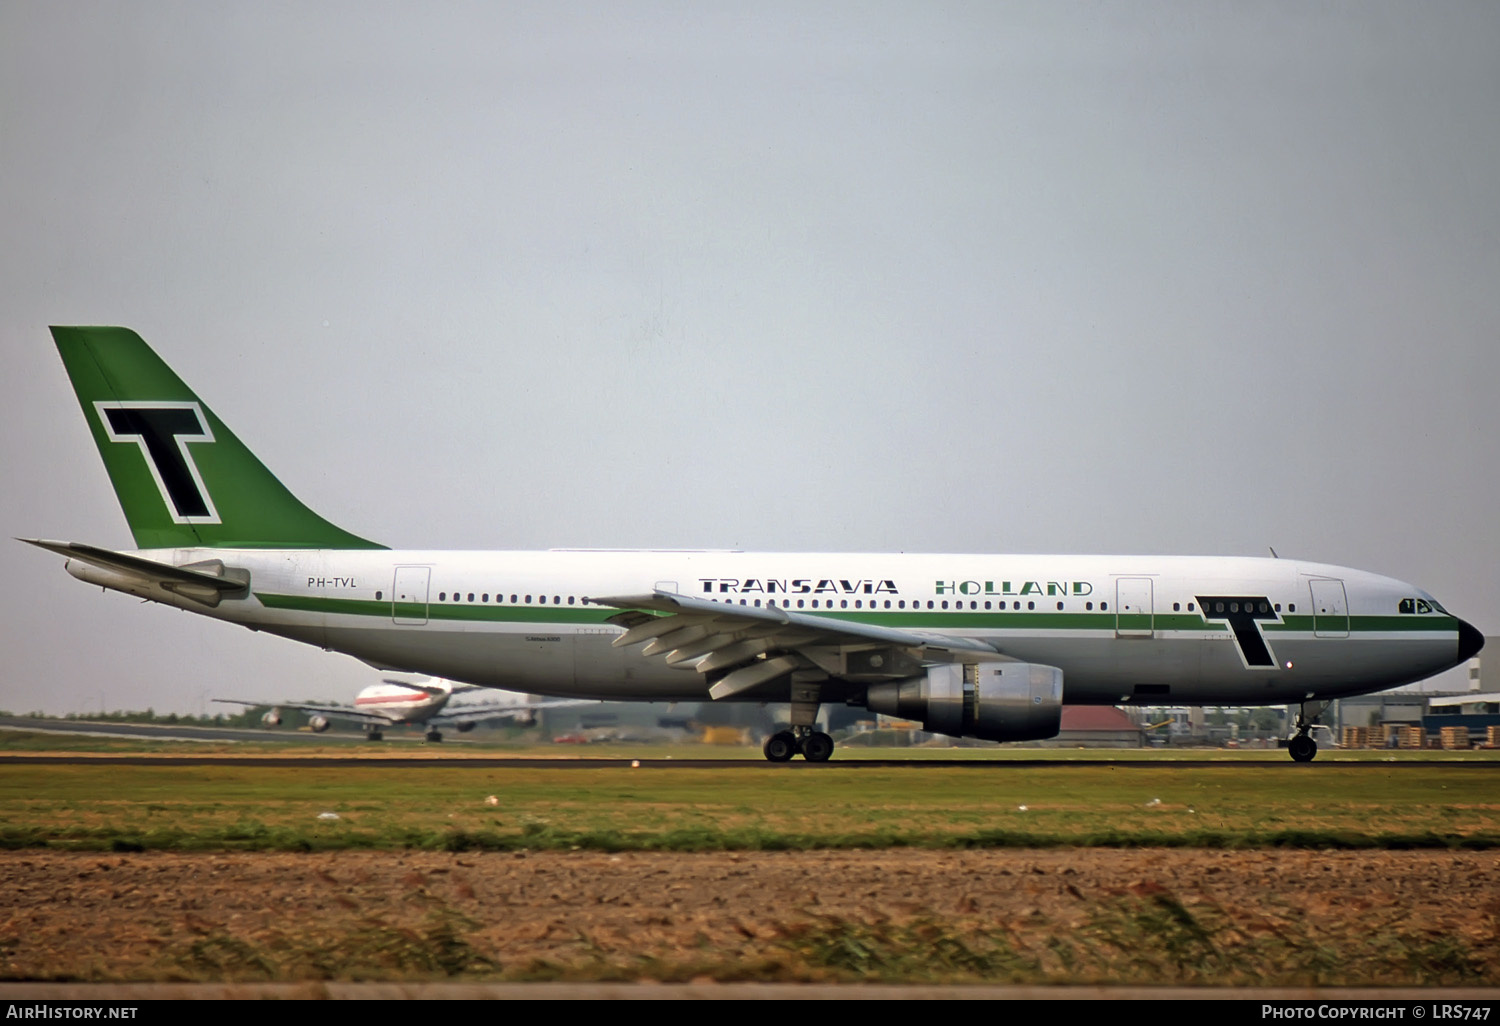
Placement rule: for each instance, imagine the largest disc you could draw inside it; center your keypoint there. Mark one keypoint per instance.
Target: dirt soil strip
(771, 915)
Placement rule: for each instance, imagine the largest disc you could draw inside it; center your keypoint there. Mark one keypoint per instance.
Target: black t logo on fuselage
(163, 431)
(1243, 614)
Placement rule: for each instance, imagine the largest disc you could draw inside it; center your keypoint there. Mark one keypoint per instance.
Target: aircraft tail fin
(183, 479)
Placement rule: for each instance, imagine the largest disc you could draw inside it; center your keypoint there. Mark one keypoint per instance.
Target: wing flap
(754, 645)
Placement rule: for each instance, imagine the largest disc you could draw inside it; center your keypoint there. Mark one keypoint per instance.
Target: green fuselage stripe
(946, 619)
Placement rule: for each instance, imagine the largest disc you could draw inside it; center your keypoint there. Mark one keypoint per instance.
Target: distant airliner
(972, 646)
(393, 703)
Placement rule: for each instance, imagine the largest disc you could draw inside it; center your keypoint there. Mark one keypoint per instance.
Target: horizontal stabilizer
(207, 582)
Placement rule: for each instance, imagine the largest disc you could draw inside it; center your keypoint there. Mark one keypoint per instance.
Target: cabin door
(1330, 608)
(409, 594)
(1133, 608)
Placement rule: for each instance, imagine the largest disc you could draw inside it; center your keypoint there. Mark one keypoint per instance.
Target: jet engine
(317, 724)
(464, 726)
(989, 701)
(272, 718)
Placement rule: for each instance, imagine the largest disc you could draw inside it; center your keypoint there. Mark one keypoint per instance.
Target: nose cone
(1470, 641)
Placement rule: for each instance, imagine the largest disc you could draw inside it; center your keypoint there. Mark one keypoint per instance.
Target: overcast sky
(991, 277)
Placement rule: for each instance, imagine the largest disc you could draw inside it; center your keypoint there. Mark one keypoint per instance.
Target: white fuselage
(1122, 628)
(400, 704)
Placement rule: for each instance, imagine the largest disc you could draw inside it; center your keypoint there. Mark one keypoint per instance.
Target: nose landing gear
(1302, 747)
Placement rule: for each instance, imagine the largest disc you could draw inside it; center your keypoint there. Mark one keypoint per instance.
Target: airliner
(976, 646)
(393, 703)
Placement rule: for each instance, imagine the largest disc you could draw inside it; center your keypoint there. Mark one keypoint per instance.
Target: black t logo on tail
(1243, 614)
(163, 431)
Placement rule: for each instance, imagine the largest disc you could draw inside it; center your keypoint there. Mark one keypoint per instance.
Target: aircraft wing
(342, 712)
(753, 645)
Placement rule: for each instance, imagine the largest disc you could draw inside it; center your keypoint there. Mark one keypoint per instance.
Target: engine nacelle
(464, 726)
(317, 724)
(272, 718)
(989, 701)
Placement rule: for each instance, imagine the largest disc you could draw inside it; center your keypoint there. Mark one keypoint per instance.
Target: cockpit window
(1418, 606)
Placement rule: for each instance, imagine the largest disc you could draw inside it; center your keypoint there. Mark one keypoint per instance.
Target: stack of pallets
(1455, 739)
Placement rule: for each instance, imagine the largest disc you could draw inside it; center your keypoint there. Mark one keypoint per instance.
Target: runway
(455, 752)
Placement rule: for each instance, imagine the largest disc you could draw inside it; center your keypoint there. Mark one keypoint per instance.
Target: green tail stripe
(182, 477)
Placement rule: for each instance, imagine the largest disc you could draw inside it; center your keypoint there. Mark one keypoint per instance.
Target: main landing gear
(433, 735)
(812, 745)
(1302, 747)
(374, 735)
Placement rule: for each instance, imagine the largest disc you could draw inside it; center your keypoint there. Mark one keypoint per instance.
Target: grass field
(1317, 875)
(1243, 803)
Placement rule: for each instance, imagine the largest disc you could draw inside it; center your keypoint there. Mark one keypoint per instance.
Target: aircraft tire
(817, 747)
(374, 735)
(780, 747)
(433, 735)
(1302, 748)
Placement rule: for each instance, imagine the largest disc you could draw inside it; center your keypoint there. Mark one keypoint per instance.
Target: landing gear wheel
(1302, 748)
(374, 735)
(817, 747)
(780, 747)
(433, 735)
